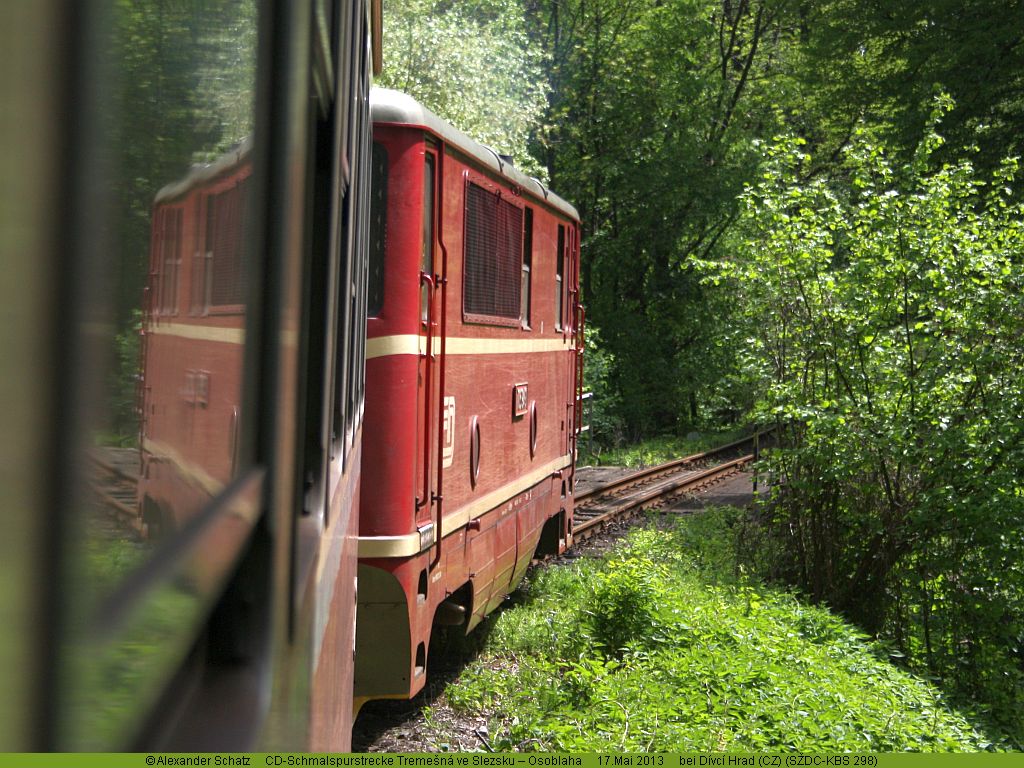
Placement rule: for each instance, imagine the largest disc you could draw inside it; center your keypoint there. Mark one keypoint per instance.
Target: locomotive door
(430, 377)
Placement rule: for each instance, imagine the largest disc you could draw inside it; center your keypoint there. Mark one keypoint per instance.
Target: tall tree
(651, 125)
(882, 61)
(471, 63)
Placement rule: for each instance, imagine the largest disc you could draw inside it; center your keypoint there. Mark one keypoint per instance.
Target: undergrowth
(666, 644)
(659, 450)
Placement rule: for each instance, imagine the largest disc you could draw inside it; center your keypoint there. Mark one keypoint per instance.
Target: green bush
(627, 593)
(693, 654)
(885, 316)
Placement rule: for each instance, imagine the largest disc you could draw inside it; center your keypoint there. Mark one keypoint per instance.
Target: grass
(658, 450)
(665, 644)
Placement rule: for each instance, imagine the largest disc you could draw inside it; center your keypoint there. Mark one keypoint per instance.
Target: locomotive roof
(204, 172)
(389, 106)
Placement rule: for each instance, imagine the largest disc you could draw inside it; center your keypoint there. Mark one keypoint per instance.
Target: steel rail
(114, 487)
(659, 484)
(650, 473)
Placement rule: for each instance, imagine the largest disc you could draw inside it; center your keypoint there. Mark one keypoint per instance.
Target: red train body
(230, 624)
(193, 339)
(473, 383)
(297, 363)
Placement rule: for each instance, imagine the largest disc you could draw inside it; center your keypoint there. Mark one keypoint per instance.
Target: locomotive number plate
(520, 400)
(448, 453)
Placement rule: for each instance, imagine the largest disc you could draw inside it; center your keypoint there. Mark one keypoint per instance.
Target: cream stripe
(409, 544)
(200, 332)
(389, 546)
(286, 336)
(385, 346)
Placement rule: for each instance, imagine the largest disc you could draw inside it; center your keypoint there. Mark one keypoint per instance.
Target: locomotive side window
(378, 228)
(559, 279)
(493, 258)
(427, 251)
(527, 265)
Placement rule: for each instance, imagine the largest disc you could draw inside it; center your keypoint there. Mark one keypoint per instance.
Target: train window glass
(159, 217)
(366, 180)
(378, 228)
(360, 157)
(559, 277)
(427, 247)
(348, 19)
(493, 258)
(527, 265)
(356, 241)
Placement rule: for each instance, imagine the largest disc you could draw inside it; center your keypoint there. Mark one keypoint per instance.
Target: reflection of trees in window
(184, 75)
(225, 74)
(186, 72)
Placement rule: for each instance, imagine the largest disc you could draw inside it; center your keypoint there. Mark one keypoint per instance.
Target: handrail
(427, 279)
(443, 283)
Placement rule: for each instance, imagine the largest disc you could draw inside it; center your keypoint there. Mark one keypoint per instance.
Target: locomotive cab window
(427, 248)
(527, 266)
(167, 243)
(493, 258)
(378, 228)
(560, 280)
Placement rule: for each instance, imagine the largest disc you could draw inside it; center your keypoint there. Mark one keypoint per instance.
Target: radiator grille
(225, 241)
(494, 252)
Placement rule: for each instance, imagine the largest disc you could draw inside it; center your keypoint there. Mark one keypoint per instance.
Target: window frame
(526, 270)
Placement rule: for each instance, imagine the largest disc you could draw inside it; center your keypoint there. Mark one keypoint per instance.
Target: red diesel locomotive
(473, 366)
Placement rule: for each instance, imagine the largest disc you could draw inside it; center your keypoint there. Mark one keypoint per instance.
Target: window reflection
(167, 325)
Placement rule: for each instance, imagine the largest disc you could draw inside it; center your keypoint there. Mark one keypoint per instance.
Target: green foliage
(884, 60)
(653, 109)
(122, 383)
(602, 409)
(626, 595)
(730, 666)
(659, 450)
(886, 327)
(472, 64)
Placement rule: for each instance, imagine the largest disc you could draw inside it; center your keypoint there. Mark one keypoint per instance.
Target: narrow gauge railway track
(655, 486)
(115, 486)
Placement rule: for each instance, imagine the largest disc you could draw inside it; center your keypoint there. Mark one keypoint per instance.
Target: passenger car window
(164, 325)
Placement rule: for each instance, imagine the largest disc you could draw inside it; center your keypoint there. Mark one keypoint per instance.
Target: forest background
(803, 214)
